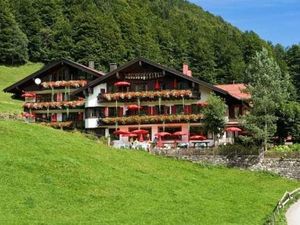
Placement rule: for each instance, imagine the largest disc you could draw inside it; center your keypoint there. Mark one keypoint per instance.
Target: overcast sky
(274, 20)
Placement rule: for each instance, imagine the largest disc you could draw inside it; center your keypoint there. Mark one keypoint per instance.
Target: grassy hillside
(10, 75)
(65, 178)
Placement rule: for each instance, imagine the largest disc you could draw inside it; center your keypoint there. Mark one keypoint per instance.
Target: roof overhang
(149, 62)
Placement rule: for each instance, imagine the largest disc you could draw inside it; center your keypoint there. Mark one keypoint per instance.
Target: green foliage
(66, 178)
(13, 42)
(168, 32)
(268, 87)
(287, 148)
(214, 115)
(288, 122)
(293, 62)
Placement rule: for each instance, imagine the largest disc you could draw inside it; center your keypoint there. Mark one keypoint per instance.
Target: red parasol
(179, 133)
(122, 84)
(130, 135)
(28, 95)
(198, 137)
(120, 132)
(162, 134)
(134, 107)
(233, 129)
(140, 132)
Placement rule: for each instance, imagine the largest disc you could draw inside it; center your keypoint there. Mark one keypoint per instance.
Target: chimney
(185, 70)
(92, 64)
(112, 66)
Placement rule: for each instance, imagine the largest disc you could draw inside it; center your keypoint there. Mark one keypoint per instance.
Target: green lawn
(49, 176)
(8, 76)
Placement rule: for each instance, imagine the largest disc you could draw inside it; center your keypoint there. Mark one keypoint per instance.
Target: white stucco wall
(91, 123)
(92, 99)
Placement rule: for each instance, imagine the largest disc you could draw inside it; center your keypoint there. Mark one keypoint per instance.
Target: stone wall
(283, 166)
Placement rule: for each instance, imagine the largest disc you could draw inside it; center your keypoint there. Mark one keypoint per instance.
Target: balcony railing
(63, 83)
(151, 119)
(59, 105)
(150, 95)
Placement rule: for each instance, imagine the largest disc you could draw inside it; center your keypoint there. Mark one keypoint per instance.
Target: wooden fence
(286, 198)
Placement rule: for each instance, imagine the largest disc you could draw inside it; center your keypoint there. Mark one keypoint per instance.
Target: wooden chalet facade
(47, 94)
(145, 95)
(140, 94)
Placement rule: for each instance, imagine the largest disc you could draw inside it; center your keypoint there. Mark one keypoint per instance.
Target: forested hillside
(167, 31)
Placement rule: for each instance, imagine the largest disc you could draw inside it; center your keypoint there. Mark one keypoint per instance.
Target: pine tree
(268, 87)
(13, 42)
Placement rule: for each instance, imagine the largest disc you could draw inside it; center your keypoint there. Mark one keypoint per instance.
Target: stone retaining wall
(285, 167)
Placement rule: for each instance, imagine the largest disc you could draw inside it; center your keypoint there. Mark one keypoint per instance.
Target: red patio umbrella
(233, 129)
(198, 137)
(122, 83)
(179, 133)
(140, 131)
(130, 135)
(28, 95)
(120, 132)
(162, 134)
(133, 107)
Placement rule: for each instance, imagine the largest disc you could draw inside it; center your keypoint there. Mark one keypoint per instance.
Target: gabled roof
(235, 90)
(147, 61)
(14, 87)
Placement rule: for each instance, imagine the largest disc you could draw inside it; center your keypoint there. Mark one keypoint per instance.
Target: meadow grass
(49, 176)
(10, 75)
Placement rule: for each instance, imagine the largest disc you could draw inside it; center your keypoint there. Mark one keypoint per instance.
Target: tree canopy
(269, 88)
(169, 32)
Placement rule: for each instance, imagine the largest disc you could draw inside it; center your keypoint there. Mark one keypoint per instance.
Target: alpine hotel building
(140, 94)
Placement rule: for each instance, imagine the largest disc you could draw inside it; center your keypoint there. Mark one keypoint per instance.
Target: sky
(277, 21)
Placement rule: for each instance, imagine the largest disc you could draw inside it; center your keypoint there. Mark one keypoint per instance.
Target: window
(93, 112)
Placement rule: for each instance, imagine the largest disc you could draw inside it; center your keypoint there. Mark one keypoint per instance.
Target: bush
(238, 150)
(286, 148)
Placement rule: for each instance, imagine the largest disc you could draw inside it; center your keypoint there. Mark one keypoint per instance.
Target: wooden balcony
(148, 95)
(59, 105)
(145, 119)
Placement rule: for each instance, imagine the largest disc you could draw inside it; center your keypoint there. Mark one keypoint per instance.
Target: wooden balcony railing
(63, 83)
(41, 105)
(151, 119)
(150, 95)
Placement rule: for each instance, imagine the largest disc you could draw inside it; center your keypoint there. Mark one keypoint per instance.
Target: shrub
(287, 148)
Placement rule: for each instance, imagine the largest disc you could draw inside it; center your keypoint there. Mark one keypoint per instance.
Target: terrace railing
(148, 95)
(151, 119)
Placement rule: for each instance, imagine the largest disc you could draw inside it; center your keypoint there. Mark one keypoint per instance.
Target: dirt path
(293, 214)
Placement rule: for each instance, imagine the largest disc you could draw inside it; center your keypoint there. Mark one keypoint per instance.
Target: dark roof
(79, 66)
(173, 71)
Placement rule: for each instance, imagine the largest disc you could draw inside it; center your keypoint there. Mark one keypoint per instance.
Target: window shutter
(54, 117)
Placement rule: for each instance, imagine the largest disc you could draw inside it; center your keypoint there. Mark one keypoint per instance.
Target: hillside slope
(10, 75)
(169, 32)
(49, 176)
